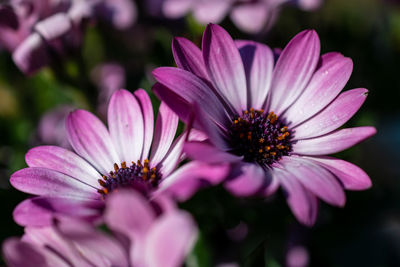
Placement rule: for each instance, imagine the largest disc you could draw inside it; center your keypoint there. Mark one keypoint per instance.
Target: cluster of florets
(138, 175)
(260, 137)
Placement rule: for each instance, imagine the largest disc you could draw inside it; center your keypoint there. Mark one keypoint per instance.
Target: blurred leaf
(93, 49)
(8, 103)
(357, 16)
(394, 21)
(200, 255)
(23, 128)
(72, 69)
(194, 27)
(272, 263)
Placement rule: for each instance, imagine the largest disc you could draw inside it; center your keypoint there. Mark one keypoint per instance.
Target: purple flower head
(251, 16)
(275, 122)
(36, 32)
(106, 160)
(154, 239)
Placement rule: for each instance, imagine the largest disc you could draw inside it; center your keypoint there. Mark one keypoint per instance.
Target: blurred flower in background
(108, 77)
(144, 237)
(41, 32)
(251, 16)
(51, 129)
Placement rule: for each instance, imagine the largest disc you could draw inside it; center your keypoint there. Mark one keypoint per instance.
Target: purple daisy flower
(155, 239)
(76, 184)
(275, 122)
(251, 16)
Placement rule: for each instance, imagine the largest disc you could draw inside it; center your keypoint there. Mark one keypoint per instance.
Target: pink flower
(108, 77)
(76, 184)
(51, 129)
(275, 122)
(35, 31)
(154, 239)
(120, 13)
(251, 16)
(39, 27)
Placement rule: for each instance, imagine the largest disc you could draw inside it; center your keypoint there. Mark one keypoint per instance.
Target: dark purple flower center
(139, 176)
(260, 137)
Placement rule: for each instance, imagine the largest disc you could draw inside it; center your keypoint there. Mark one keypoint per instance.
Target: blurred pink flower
(251, 16)
(297, 256)
(76, 184)
(108, 77)
(51, 129)
(154, 239)
(37, 31)
(274, 122)
(120, 13)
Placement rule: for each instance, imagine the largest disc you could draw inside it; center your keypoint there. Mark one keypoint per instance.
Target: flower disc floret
(260, 137)
(138, 175)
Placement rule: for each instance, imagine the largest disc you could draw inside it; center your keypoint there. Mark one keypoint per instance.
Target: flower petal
(166, 125)
(64, 161)
(249, 179)
(211, 11)
(180, 106)
(176, 8)
(258, 61)
(351, 176)
(148, 120)
(333, 142)
(189, 57)
(91, 140)
(309, 5)
(19, 253)
(128, 212)
(192, 89)
(316, 179)
(216, 135)
(331, 76)
(40, 211)
(271, 187)
(191, 177)
(333, 116)
(121, 13)
(79, 11)
(294, 70)
(125, 121)
(31, 54)
(303, 203)
(205, 152)
(46, 182)
(173, 156)
(54, 26)
(225, 66)
(252, 17)
(97, 247)
(170, 240)
(49, 239)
